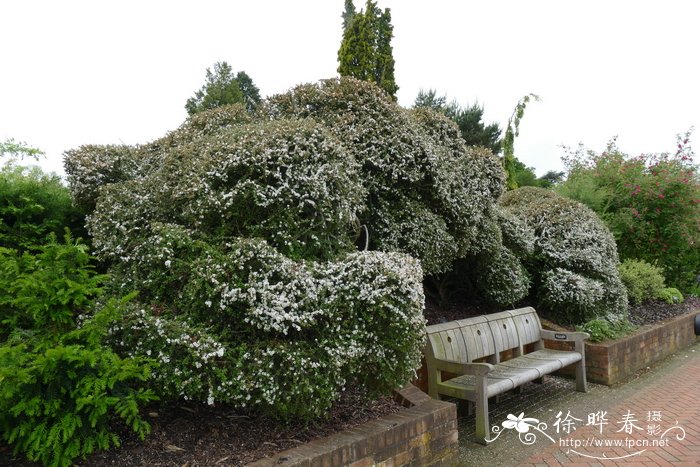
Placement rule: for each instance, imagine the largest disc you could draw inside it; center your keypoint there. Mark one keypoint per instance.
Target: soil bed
(651, 312)
(196, 435)
(655, 311)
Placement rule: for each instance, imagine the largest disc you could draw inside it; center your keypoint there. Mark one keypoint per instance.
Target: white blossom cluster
(518, 236)
(575, 256)
(564, 289)
(91, 167)
(428, 195)
(281, 336)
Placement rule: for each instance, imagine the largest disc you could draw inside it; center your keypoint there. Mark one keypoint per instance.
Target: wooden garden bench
(471, 349)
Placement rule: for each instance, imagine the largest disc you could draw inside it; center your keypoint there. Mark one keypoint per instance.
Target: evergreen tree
(348, 14)
(469, 120)
(366, 51)
(223, 87)
(251, 93)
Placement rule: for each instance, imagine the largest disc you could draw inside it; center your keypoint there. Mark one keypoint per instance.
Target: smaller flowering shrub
(574, 261)
(642, 280)
(571, 294)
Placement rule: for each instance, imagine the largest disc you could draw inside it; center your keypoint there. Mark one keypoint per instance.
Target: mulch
(219, 436)
(656, 311)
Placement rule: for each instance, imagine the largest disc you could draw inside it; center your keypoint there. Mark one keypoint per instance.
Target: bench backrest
(470, 339)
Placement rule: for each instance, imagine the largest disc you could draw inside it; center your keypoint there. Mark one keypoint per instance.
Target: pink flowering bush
(650, 202)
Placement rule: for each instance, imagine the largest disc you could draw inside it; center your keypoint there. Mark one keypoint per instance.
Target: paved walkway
(651, 421)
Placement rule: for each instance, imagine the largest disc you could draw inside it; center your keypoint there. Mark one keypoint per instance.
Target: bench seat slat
(562, 356)
(501, 379)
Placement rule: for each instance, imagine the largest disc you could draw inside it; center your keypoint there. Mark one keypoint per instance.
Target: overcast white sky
(110, 72)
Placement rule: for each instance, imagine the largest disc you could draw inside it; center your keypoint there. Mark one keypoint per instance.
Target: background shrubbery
(651, 203)
(33, 205)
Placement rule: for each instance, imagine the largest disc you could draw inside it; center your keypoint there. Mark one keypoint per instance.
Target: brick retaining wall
(423, 433)
(613, 362)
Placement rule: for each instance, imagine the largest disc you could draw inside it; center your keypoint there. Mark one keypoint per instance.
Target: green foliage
(469, 120)
(223, 88)
(642, 280)
(649, 202)
(574, 263)
(55, 403)
(48, 289)
(348, 14)
(525, 176)
(33, 205)
(507, 144)
(18, 150)
(602, 329)
(670, 295)
(59, 387)
(365, 52)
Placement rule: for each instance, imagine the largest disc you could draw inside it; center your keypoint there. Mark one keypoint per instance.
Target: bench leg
(581, 385)
(482, 412)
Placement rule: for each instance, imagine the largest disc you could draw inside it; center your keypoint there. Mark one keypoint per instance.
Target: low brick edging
(615, 361)
(424, 432)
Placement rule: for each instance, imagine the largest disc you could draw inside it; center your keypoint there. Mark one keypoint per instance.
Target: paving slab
(653, 419)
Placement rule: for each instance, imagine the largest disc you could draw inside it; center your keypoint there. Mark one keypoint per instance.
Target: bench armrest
(564, 336)
(463, 368)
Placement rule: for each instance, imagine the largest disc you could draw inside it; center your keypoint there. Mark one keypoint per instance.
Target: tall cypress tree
(348, 14)
(366, 51)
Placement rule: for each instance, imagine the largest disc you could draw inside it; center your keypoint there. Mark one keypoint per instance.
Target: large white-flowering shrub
(574, 262)
(255, 329)
(239, 235)
(428, 195)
